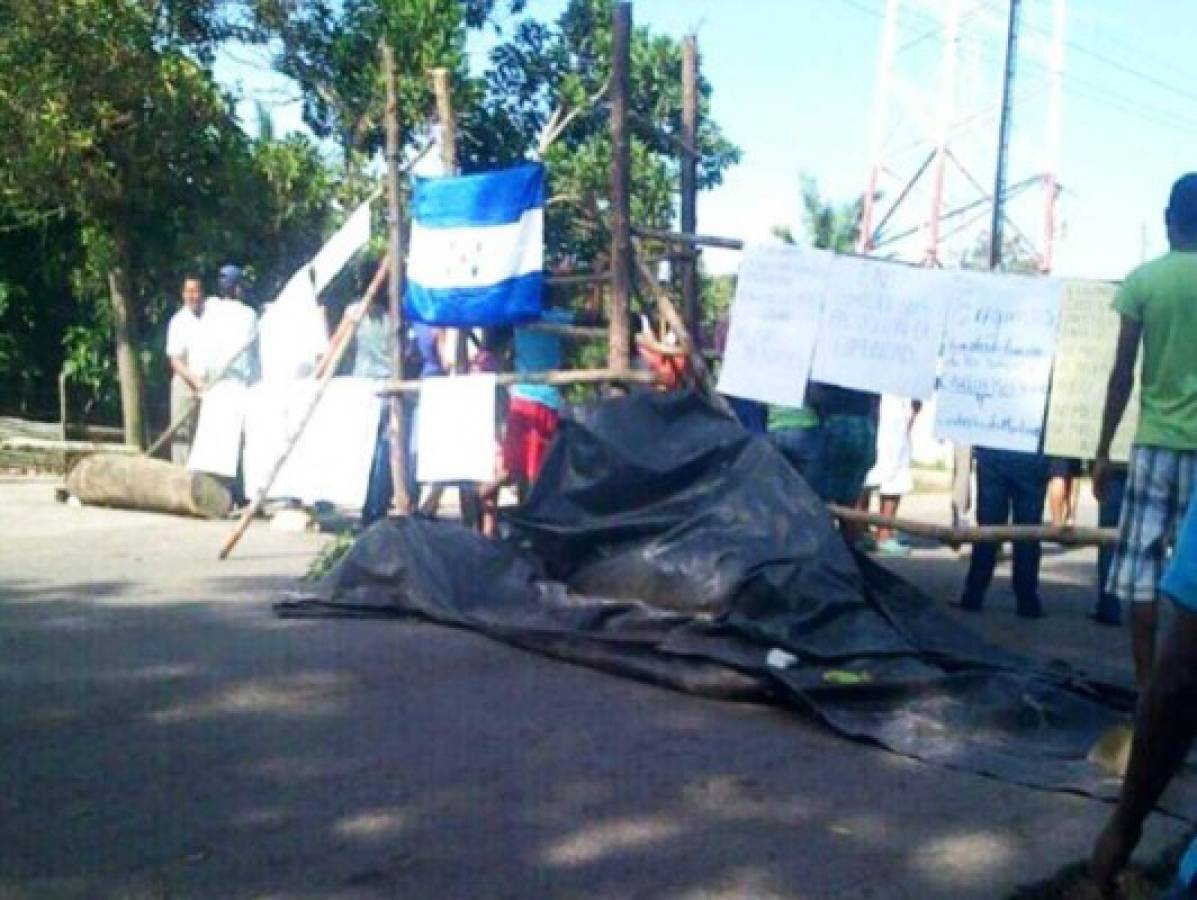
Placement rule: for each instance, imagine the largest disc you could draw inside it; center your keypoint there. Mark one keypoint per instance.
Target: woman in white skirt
(891, 476)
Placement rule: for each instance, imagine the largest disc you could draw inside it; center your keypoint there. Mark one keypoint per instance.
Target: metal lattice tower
(934, 143)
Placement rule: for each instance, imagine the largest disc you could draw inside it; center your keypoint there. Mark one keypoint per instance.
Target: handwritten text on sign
(997, 360)
(774, 319)
(881, 327)
(1084, 357)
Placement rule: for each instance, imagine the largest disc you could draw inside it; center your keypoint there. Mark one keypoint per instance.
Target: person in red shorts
(533, 410)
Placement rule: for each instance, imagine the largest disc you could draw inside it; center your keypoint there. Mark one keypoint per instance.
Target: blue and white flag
(477, 248)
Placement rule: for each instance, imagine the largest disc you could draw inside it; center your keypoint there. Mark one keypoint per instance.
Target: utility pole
(619, 354)
(1003, 150)
(402, 503)
(690, 293)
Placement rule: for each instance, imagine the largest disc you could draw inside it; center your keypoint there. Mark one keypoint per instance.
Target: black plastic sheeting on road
(664, 542)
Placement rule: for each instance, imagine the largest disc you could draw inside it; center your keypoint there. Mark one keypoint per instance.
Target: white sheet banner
(455, 439)
(774, 320)
(331, 460)
(217, 445)
(997, 361)
(881, 327)
(312, 278)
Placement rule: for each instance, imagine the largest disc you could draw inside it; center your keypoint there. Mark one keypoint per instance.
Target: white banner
(312, 278)
(998, 349)
(455, 438)
(332, 458)
(774, 320)
(881, 327)
(217, 445)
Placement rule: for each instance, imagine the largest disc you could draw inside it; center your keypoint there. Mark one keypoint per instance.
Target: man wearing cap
(1158, 306)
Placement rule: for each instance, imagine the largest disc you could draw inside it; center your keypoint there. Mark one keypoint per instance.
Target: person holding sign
(847, 447)
(1158, 307)
(1011, 485)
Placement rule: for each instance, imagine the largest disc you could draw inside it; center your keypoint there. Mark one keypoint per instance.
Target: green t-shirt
(1162, 296)
(784, 417)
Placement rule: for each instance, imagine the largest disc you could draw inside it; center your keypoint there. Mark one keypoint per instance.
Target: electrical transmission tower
(943, 119)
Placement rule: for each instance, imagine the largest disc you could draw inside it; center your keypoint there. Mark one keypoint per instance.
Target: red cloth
(530, 430)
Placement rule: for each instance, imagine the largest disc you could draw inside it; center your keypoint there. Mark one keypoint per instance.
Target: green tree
(1017, 255)
(330, 48)
(103, 103)
(114, 132)
(829, 225)
(545, 95)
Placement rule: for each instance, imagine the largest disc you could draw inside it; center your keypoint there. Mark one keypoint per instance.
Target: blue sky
(794, 85)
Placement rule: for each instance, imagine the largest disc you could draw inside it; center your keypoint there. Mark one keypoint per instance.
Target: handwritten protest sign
(881, 327)
(997, 361)
(1085, 348)
(774, 319)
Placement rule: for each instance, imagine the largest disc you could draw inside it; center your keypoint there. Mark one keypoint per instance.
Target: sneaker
(892, 547)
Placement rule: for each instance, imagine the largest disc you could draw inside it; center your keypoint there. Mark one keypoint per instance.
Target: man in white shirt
(185, 383)
(227, 331)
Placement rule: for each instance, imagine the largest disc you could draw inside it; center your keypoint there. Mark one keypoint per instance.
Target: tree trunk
(138, 482)
(124, 326)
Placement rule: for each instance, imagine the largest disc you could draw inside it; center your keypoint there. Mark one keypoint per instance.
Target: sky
(794, 86)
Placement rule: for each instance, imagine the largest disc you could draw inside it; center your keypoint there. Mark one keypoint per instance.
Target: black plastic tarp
(664, 542)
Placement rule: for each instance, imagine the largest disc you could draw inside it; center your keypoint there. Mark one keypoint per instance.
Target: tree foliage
(551, 78)
(119, 146)
(829, 225)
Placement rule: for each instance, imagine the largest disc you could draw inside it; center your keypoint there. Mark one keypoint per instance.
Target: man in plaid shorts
(1158, 306)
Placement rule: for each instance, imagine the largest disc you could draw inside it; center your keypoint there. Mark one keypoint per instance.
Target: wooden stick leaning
(336, 351)
(981, 534)
(701, 371)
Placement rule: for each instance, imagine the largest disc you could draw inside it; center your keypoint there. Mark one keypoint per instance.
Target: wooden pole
(402, 503)
(619, 351)
(980, 534)
(556, 377)
(671, 315)
(448, 123)
(335, 352)
(689, 213)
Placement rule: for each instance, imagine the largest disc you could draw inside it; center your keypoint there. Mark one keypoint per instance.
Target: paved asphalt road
(163, 735)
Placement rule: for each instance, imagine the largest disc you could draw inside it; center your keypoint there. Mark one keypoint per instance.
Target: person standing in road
(1158, 307)
(185, 384)
(1011, 487)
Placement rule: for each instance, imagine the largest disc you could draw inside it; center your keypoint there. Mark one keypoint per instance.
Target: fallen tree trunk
(153, 485)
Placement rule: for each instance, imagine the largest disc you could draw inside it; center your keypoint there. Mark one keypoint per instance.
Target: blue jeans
(1009, 485)
(800, 447)
(1109, 511)
(753, 415)
(381, 487)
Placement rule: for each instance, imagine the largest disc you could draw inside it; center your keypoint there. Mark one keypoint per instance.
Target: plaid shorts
(1159, 481)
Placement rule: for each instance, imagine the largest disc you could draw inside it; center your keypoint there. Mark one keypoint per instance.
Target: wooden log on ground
(1071, 536)
(132, 481)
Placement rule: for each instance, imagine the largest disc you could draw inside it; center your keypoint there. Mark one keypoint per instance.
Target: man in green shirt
(1158, 306)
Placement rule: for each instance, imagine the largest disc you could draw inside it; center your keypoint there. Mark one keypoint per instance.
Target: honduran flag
(477, 248)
